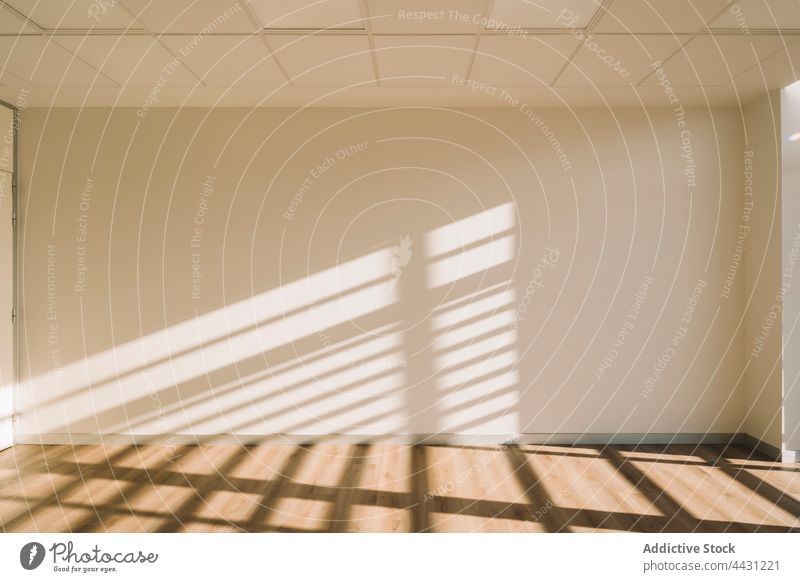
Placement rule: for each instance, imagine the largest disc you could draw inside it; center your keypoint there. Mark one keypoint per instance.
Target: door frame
(14, 261)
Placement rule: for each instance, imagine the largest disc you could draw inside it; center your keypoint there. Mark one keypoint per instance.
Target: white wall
(762, 191)
(412, 290)
(790, 251)
(7, 376)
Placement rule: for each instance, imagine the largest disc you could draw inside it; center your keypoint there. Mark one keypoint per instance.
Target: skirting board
(407, 439)
(564, 439)
(771, 451)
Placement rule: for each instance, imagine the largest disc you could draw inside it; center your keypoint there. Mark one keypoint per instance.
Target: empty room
(276, 267)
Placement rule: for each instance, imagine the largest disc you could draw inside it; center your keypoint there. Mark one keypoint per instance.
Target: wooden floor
(392, 488)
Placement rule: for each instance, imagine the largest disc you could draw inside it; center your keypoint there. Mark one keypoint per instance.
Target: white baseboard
(790, 456)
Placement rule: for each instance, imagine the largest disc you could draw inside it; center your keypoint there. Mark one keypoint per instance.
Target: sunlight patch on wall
(474, 337)
(186, 352)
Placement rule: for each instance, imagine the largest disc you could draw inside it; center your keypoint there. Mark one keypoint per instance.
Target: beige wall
(442, 272)
(763, 268)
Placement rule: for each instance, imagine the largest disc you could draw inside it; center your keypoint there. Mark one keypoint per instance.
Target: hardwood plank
(395, 488)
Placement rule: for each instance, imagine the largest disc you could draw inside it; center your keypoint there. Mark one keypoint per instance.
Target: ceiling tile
(16, 85)
(75, 14)
(39, 61)
(191, 16)
(759, 15)
(541, 14)
(422, 60)
(227, 60)
(11, 23)
(423, 17)
(308, 14)
(522, 60)
(130, 60)
(778, 70)
(324, 60)
(714, 60)
(618, 59)
(659, 16)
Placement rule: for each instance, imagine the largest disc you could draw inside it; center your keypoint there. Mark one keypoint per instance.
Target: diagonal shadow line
(475, 507)
(252, 485)
(137, 478)
(483, 399)
(20, 458)
(243, 485)
(419, 486)
(476, 360)
(172, 395)
(476, 379)
(588, 518)
(234, 364)
(282, 393)
(584, 487)
(472, 340)
(180, 399)
(78, 481)
(272, 489)
(469, 298)
(171, 390)
(766, 490)
(193, 398)
(476, 244)
(292, 361)
(203, 491)
(771, 466)
(350, 406)
(464, 285)
(175, 395)
(340, 513)
(214, 341)
(555, 519)
(473, 422)
(482, 508)
(679, 520)
(489, 314)
(313, 305)
(34, 461)
(472, 314)
(369, 497)
(488, 509)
